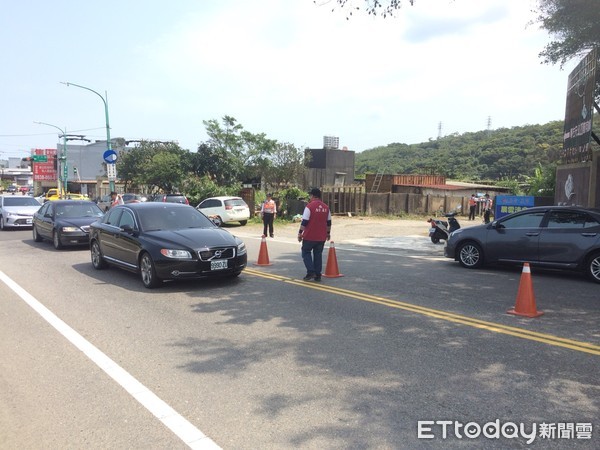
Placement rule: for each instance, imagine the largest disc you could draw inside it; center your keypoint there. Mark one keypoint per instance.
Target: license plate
(432, 230)
(218, 264)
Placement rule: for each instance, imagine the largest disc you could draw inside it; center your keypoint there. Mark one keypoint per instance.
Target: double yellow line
(549, 339)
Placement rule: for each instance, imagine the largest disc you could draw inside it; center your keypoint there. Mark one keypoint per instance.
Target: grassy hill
(485, 156)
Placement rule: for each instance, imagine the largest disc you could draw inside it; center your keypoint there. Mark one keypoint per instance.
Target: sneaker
(308, 277)
(317, 278)
(272, 235)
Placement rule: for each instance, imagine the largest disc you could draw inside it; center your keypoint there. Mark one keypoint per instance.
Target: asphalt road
(91, 359)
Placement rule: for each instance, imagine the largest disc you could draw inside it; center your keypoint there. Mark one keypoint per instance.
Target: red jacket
(317, 215)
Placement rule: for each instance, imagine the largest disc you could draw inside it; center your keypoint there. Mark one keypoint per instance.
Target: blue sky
(291, 69)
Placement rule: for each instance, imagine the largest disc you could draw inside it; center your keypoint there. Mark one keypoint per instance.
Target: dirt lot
(351, 228)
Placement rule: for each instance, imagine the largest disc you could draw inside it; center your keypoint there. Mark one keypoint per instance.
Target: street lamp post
(62, 190)
(108, 143)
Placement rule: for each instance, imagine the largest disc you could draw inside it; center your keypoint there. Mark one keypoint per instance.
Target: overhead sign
(110, 156)
(40, 158)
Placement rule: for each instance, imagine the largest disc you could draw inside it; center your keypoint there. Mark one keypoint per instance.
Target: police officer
(268, 212)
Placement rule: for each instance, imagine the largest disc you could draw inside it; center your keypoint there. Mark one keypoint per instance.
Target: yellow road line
(549, 339)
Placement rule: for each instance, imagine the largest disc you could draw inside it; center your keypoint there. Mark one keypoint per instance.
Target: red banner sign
(44, 171)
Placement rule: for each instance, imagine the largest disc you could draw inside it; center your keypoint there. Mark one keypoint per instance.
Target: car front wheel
(148, 272)
(470, 255)
(56, 240)
(36, 235)
(593, 267)
(97, 259)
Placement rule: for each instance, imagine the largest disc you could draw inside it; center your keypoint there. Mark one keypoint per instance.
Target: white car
(225, 209)
(17, 211)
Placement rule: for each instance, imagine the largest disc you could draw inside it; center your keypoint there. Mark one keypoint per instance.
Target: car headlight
(70, 229)
(177, 254)
(241, 248)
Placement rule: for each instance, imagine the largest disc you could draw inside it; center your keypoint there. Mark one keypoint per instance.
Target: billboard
(581, 89)
(44, 171)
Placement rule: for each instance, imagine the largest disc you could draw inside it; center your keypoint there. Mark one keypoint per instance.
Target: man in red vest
(315, 229)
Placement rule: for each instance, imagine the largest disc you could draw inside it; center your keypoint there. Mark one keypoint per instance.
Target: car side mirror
(127, 229)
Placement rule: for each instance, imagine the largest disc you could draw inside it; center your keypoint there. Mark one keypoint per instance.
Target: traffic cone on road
(525, 305)
(331, 269)
(263, 254)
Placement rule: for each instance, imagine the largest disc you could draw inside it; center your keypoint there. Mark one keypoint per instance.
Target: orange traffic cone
(263, 254)
(525, 305)
(331, 270)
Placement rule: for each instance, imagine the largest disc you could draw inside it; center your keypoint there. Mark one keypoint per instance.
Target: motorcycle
(440, 229)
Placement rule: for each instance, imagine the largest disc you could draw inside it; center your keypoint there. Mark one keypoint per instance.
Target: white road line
(183, 429)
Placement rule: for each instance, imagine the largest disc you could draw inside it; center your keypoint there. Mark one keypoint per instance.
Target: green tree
(232, 154)
(164, 171)
(574, 25)
(156, 165)
(288, 166)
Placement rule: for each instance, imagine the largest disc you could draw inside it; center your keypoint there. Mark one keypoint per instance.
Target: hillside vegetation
(504, 154)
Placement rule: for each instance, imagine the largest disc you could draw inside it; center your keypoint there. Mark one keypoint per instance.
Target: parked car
(104, 202)
(53, 195)
(65, 222)
(17, 211)
(134, 198)
(165, 241)
(226, 209)
(170, 198)
(560, 237)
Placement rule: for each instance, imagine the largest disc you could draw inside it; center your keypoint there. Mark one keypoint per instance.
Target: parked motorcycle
(440, 229)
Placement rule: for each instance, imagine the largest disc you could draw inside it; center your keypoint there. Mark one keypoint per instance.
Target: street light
(108, 143)
(61, 176)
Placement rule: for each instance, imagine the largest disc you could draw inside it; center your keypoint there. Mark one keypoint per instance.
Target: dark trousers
(268, 223)
(312, 255)
(472, 212)
(486, 216)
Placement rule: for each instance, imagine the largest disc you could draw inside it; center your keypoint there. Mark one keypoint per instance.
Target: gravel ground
(345, 228)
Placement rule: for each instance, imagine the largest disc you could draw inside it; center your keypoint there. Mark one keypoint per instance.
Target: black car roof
(154, 205)
(66, 200)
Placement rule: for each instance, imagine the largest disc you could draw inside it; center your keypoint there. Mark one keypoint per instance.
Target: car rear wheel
(593, 267)
(36, 235)
(2, 223)
(243, 222)
(97, 259)
(56, 240)
(148, 272)
(470, 255)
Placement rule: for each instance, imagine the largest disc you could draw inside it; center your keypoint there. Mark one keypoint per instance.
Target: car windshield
(20, 201)
(173, 219)
(78, 210)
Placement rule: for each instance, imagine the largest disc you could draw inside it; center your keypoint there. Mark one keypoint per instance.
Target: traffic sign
(111, 172)
(40, 158)
(110, 156)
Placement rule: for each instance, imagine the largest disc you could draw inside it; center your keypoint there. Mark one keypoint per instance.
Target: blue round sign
(110, 156)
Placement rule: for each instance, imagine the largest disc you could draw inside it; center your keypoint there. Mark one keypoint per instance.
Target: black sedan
(559, 237)
(165, 241)
(65, 222)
